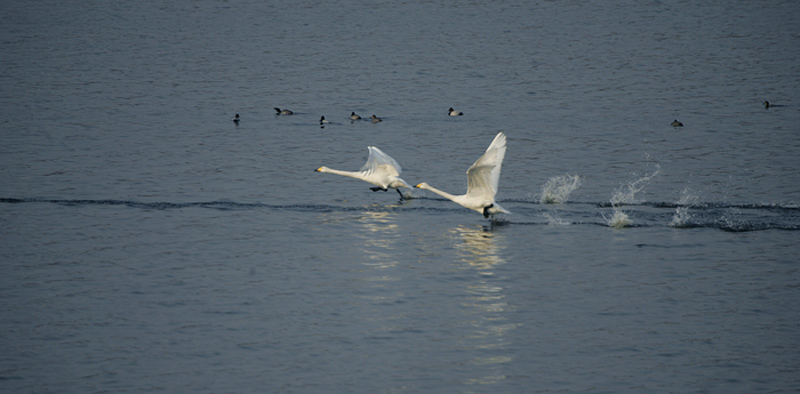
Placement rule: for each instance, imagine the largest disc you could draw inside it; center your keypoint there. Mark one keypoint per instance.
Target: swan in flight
(380, 170)
(482, 179)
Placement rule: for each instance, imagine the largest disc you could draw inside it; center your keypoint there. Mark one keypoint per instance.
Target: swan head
(322, 169)
(422, 185)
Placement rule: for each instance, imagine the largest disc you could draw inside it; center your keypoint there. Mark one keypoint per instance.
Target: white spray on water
(557, 191)
(682, 216)
(558, 188)
(627, 195)
(555, 220)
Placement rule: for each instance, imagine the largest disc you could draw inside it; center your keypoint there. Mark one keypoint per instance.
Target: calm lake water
(149, 244)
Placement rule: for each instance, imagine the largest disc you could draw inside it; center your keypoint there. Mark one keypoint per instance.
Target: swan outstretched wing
(484, 175)
(379, 162)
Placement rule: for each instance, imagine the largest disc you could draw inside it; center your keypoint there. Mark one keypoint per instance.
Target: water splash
(558, 188)
(627, 195)
(682, 216)
(554, 220)
(619, 219)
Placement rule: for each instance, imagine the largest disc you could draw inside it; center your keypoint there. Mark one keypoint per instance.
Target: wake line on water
(688, 214)
(732, 227)
(234, 205)
(221, 205)
(668, 205)
(773, 207)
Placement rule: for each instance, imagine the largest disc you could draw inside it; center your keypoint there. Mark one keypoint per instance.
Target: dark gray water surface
(149, 244)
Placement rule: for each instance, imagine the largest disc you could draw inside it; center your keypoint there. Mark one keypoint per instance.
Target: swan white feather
(380, 170)
(483, 177)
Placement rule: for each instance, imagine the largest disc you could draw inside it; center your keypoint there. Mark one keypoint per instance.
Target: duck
(283, 112)
(766, 104)
(322, 120)
(453, 112)
(376, 119)
(675, 123)
(236, 119)
(354, 116)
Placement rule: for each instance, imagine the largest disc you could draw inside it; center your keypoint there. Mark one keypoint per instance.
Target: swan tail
(494, 209)
(499, 209)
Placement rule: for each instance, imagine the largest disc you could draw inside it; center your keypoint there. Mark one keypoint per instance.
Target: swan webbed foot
(486, 213)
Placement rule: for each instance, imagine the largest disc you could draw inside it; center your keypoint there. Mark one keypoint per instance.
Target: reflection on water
(379, 239)
(477, 247)
(480, 249)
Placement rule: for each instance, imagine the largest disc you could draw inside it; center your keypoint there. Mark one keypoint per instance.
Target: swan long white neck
(439, 192)
(351, 174)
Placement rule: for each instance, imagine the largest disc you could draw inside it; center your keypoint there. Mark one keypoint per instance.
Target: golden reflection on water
(379, 239)
(481, 249)
(477, 247)
(482, 309)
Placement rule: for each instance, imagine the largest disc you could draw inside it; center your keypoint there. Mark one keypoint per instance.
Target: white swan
(482, 179)
(380, 170)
